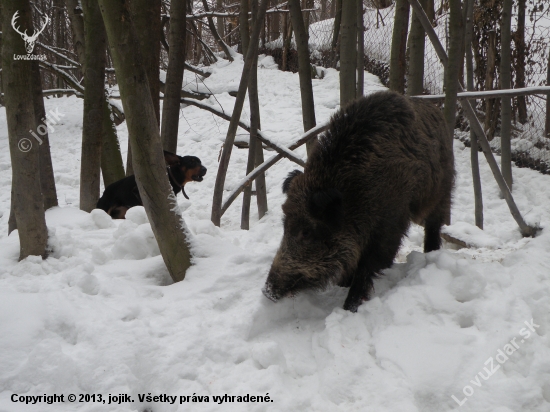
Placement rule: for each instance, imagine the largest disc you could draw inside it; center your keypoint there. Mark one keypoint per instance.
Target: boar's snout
(269, 293)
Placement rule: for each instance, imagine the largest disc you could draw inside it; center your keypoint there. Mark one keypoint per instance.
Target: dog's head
(184, 169)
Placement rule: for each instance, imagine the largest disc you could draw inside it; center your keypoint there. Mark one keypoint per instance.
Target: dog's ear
(171, 159)
(289, 178)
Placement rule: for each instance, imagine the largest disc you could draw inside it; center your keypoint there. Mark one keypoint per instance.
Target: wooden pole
(525, 229)
(234, 123)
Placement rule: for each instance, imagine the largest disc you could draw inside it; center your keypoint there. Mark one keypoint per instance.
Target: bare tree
(415, 79)
(547, 123)
(304, 69)
(360, 50)
(237, 110)
(215, 33)
(112, 167)
(27, 201)
(94, 96)
(47, 180)
(348, 51)
(520, 51)
(336, 31)
(398, 62)
(505, 83)
(474, 147)
(255, 151)
(74, 10)
(149, 165)
(452, 69)
(174, 76)
(147, 21)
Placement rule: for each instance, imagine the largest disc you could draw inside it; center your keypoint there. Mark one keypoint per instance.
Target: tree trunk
(254, 145)
(304, 69)
(27, 202)
(526, 230)
(474, 151)
(360, 50)
(275, 23)
(398, 61)
(94, 96)
(243, 26)
(286, 43)
(336, 31)
(147, 22)
(219, 20)
(215, 34)
(348, 51)
(519, 39)
(415, 80)
(547, 124)
(452, 70)
(489, 78)
(112, 167)
(235, 117)
(74, 10)
(58, 23)
(505, 83)
(149, 165)
(174, 76)
(47, 180)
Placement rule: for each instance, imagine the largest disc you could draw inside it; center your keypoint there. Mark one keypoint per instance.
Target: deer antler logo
(29, 40)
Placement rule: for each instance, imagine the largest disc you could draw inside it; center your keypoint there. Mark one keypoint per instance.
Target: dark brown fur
(384, 161)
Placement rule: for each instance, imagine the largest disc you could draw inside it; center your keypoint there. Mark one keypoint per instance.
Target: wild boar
(385, 160)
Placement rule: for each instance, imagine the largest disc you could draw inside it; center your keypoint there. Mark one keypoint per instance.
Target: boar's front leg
(361, 285)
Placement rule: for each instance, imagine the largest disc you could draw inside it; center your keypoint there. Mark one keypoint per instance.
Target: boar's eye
(305, 235)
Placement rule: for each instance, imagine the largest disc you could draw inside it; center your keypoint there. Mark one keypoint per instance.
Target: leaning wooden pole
(474, 158)
(525, 229)
(233, 125)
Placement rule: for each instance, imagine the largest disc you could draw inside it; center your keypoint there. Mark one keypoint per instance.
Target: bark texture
(505, 83)
(150, 169)
(348, 51)
(304, 69)
(398, 61)
(27, 202)
(47, 179)
(174, 76)
(237, 110)
(94, 96)
(415, 80)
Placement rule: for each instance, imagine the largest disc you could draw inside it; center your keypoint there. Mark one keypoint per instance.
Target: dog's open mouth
(197, 178)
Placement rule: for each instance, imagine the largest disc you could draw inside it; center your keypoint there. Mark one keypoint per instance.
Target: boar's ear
(289, 178)
(326, 205)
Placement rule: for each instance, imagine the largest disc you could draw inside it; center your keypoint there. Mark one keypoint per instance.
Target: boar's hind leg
(432, 230)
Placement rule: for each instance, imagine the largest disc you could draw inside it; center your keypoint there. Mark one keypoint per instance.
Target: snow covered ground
(101, 317)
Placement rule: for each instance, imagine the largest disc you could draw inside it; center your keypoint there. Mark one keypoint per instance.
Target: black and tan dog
(120, 196)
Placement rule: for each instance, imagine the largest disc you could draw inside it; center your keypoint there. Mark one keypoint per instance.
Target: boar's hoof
(353, 304)
(268, 293)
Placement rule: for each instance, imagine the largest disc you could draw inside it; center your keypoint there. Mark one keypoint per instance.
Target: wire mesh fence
(530, 142)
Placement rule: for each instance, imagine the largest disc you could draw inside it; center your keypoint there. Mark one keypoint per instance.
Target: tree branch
(283, 151)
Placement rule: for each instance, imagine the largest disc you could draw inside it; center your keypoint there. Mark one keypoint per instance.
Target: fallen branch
(283, 151)
(73, 62)
(62, 73)
(489, 94)
(68, 92)
(310, 134)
